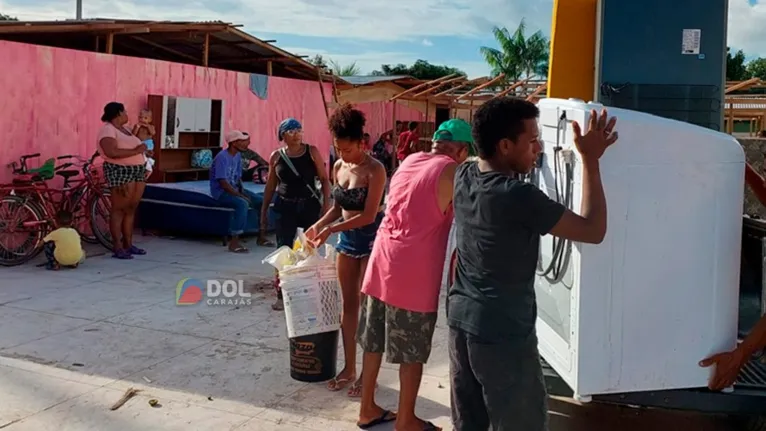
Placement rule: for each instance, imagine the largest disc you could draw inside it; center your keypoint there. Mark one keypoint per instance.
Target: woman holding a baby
(125, 169)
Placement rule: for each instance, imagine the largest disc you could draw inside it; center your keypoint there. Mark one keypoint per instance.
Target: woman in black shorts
(294, 170)
(125, 172)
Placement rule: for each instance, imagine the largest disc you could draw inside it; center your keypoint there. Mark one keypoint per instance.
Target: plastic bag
(281, 258)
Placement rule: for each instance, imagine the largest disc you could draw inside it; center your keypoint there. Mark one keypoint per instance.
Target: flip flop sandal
(431, 427)
(265, 243)
(122, 255)
(136, 251)
(240, 250)
(386, 417)
(338, 384)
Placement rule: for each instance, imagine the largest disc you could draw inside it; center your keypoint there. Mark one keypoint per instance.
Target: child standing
(62, 246)
(144, 131)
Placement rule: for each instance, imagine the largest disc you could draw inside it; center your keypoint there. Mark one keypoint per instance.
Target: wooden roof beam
(244, 60)
(463, 85)
(511, 88)
(303, 63)
(248, 54)
(449, 81)
(421, 86)
(166, 49)
(237, 42)
(482, 86)
(742, 85)
(537, 92)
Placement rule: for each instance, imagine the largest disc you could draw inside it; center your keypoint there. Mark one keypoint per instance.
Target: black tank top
(293, 186)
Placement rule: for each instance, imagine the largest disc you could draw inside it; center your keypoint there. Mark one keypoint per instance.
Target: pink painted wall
(380, 116)
(52, 100)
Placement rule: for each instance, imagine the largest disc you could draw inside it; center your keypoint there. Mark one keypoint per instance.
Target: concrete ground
(73, 341)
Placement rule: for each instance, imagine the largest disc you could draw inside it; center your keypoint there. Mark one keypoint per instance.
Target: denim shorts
(357, 243)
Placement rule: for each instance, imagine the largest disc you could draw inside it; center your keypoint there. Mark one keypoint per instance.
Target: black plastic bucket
(313, 358)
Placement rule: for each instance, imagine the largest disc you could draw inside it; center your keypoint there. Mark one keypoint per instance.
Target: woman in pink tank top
(404, 275)
(125, 172)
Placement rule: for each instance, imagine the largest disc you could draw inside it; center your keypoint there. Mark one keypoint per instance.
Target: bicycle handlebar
(64, 166)
(29, 156)
(68, 156)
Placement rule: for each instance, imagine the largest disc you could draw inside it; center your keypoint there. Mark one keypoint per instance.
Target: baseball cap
(455, 130)
(236, 135)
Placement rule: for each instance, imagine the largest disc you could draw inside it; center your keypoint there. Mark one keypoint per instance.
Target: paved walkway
(72, 342)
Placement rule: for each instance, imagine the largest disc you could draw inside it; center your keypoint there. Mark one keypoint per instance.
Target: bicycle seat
(67, 174)
(46, 170)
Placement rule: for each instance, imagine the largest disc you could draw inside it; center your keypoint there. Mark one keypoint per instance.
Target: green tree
(4, 17)
(318, 60)
(421, 69)
(735, 66)
(344, 70)
(518, 55)
(757, 68)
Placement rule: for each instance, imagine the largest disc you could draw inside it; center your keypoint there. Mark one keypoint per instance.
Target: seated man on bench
(226, 186)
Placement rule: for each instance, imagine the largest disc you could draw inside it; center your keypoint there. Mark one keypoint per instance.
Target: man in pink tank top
(404, 274)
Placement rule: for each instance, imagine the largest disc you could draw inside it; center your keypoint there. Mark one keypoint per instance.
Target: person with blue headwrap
(297, 176)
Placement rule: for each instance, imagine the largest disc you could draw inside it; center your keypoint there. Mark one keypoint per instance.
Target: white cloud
(747, 27)
(427, 42)
(415, 19)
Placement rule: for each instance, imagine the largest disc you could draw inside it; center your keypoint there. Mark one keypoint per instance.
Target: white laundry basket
(312, 298)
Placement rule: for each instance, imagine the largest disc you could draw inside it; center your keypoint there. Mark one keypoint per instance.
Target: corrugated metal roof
(230, 49)
(106, 21)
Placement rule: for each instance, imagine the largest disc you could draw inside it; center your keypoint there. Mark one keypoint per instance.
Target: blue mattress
(187, 207)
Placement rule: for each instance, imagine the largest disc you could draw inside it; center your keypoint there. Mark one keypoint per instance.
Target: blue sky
(371, 32)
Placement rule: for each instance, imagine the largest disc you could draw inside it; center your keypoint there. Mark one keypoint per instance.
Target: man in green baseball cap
(404, 273)
(457, 133)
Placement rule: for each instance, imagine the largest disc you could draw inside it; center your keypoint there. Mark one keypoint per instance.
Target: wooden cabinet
(184, 125)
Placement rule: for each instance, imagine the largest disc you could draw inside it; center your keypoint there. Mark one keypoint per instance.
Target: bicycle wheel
(22, 229)
(99, 207)
(81, 221)
(77, 204)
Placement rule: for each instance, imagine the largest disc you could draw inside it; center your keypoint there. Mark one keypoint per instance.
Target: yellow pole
(572, 63)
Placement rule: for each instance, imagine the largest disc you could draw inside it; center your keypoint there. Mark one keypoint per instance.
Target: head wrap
(287, 125)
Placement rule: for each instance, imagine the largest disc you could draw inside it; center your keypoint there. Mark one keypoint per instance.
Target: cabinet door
(202, 108)
(169, 130)
(186, 114)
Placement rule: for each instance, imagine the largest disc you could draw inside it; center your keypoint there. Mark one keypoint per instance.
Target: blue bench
(187, 207)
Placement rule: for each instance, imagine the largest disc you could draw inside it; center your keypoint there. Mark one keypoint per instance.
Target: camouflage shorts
(404, 335)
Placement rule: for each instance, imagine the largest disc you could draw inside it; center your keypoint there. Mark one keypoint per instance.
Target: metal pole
(79, 10)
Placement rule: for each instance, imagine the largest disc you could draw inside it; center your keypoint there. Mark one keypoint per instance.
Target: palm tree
(518, 55)
(347, 70)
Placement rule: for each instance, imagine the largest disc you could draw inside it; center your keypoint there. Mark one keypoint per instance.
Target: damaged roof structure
(211, 44)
